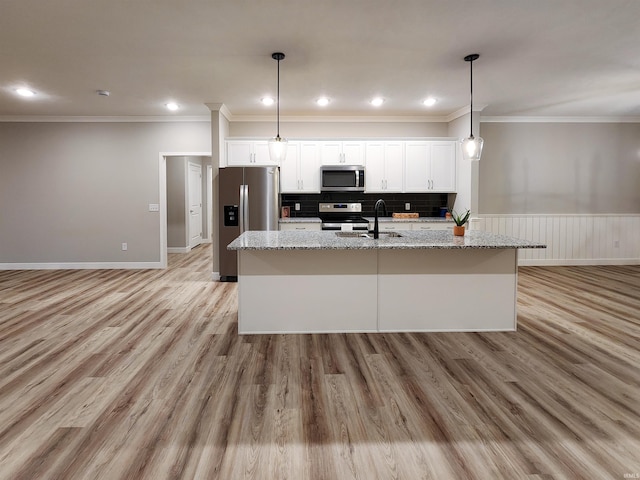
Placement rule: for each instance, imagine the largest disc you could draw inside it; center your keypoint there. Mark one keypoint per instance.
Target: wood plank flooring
(141, 375)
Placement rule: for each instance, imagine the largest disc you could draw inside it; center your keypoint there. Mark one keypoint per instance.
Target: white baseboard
(215, 276)
(82, 266)
(577, 261)
(178, 249)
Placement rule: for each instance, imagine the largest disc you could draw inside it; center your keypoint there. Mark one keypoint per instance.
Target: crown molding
(517, 119)
(222, 108)
(97, 119)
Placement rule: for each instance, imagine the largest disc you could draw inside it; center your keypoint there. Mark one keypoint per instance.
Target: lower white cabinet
(432, 226)
(400, 226)
(311, 226)
(391, 226)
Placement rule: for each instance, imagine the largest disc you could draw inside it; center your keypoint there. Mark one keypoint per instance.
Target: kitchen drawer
(310, 226)
(432, 226)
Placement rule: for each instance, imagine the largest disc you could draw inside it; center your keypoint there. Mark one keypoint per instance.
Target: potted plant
(460, 220)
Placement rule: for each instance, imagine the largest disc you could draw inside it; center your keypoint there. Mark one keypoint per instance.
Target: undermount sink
(352, 234)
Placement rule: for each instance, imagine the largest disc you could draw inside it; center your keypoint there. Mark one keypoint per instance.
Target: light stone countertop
(328, 240)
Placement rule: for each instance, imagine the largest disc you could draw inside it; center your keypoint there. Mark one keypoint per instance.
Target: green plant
(460, 219)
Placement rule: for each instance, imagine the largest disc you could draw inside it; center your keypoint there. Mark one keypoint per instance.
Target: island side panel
(447, 290)
(307, 291)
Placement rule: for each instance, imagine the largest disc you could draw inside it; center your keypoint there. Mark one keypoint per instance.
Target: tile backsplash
(426, 204)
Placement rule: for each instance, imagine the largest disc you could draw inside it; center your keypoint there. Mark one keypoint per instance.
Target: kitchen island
(327, 281)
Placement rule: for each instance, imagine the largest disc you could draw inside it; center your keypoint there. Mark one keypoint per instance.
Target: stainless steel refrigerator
(249, 199)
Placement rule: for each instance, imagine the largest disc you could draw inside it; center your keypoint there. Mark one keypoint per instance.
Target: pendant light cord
(278, 104)
(471, 101)
(470, 59)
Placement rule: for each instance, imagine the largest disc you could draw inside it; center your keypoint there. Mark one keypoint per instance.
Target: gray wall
(73, 192)
(339, 129)
(559, 168)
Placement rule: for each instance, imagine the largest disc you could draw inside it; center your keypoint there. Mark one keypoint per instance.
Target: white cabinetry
(384, 166)
(242, 153)
(430, 166)
(391, 226)
(341, 152)
(310, 226)
(432, 226)
(392, 166)
(300, 170)
(399, 226)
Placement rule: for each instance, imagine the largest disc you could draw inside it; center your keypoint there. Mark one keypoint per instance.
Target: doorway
(187, 212)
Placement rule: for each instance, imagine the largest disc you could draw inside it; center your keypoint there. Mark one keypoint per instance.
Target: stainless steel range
(342, 216)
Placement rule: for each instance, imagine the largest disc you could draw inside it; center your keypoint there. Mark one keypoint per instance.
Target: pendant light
(278, 145)
(471, 146)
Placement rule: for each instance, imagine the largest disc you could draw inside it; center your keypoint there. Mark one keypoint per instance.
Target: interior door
(195, 204)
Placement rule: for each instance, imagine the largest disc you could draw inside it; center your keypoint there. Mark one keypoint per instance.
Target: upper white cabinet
(430, 166)
(392, 166)
(341, 152)
(242, 153)
(300, 170)
(384, 167)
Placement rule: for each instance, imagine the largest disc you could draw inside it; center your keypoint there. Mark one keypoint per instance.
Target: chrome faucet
(376, 228)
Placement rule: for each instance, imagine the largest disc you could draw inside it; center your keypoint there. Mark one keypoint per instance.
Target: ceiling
(537, 58)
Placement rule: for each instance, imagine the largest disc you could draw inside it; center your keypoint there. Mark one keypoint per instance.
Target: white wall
(71, 193)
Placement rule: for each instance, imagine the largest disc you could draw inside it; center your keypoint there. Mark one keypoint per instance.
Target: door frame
(162, 197)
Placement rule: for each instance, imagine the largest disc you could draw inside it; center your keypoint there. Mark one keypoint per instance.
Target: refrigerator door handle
(242, 208)
(246, 208)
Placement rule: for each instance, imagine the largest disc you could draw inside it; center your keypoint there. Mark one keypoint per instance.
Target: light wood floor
(141, 375)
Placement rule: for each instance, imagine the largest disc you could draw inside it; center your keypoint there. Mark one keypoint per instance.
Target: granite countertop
(370, 219)
(328, 240)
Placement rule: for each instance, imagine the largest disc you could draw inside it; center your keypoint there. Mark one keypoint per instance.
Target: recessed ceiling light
(25, 92)
(377, 101)
(429, 102)
(266, 101)
(322, 101)
(172, 106)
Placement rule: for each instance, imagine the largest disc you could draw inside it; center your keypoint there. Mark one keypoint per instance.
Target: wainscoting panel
(570, 239)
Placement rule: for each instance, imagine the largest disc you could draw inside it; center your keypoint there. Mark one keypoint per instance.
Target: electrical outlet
(124, 246)
(407, 206)
(154, 207)
(297, 207)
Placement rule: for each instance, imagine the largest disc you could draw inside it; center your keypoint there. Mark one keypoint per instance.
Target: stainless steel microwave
(342, 178)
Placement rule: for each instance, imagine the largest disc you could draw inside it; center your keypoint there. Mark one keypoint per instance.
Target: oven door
(348, 178)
